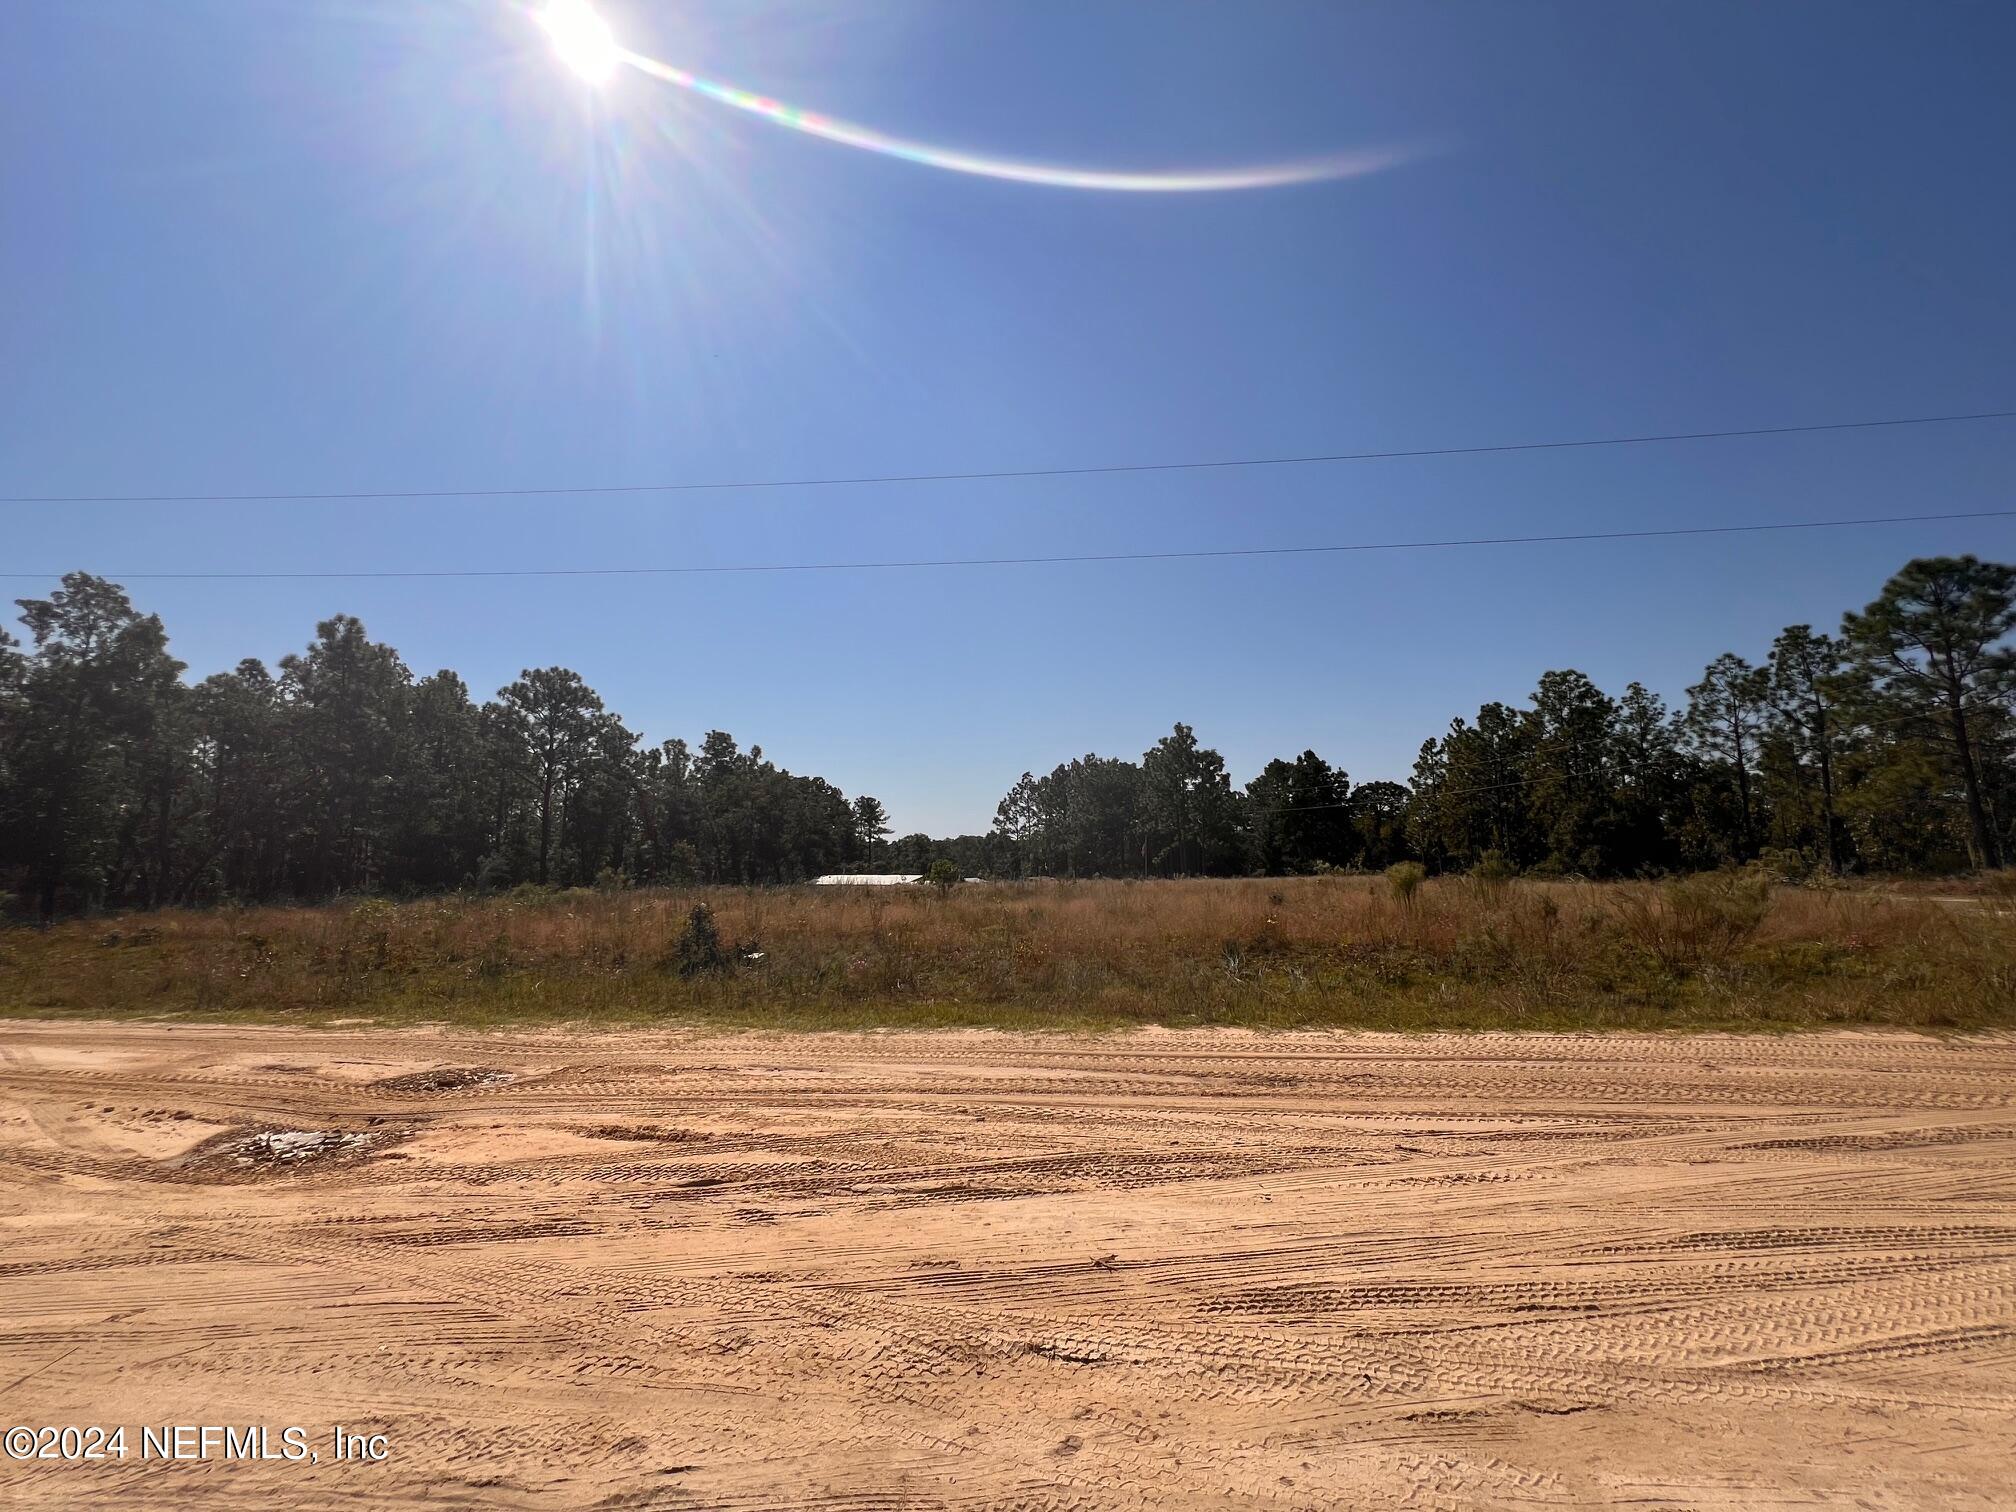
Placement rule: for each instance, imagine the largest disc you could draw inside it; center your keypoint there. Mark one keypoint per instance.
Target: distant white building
(867, 879)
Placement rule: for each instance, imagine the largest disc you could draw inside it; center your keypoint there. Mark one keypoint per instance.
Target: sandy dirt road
(1167, 1270)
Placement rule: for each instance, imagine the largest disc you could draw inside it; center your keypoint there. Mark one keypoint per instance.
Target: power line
(1004, 473)
(1049, 561)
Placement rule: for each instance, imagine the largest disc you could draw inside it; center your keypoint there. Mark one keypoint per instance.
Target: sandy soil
(980, 1271)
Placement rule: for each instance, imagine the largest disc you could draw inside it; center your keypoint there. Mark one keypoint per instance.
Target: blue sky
(365, 244)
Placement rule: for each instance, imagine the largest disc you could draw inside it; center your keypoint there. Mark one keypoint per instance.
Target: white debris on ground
(297, 1144)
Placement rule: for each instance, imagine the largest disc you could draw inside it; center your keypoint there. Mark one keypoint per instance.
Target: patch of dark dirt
(443, 1079)
(649, 1132)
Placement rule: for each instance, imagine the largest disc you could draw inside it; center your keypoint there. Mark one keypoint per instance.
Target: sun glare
(582, 39)
(587, 45)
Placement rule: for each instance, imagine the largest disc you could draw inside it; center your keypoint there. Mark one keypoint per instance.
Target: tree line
(339, 771)
(1888, 746)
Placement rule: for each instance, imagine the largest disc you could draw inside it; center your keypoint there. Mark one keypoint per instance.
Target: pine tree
(1932, 641)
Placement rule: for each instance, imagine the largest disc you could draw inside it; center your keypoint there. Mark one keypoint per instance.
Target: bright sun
(582, 39)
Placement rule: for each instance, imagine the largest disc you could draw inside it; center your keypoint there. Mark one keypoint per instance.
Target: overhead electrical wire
(1667, 532)
(1095, 470)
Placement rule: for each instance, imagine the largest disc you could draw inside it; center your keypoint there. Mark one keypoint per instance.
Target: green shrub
(1404, 877)
(374, 914)
(1785, 865)
(698, 951)
(1493, 870)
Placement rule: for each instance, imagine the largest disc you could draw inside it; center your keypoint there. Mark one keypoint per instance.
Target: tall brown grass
(1452, 952)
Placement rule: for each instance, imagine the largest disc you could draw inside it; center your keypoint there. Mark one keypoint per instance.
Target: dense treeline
(339, 771)
(1891, 746)
(1888, 747)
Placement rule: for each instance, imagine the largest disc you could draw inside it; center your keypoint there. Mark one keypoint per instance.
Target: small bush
(1697, 922)
(1404, 877)
(1493, 870)
(943, 875)
(698, 951)
(1785, 865)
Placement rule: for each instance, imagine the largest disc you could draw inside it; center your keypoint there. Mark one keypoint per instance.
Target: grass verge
(1705, 954)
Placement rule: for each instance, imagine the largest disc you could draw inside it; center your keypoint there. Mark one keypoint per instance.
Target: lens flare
(1057, 176)
(582, 39)
(587, 45)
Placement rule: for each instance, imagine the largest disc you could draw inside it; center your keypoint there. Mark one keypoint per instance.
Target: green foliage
(1378, 815)
(1785, 865)
(1809, 683)
(1405, 878)
(698, 950)
(942, 875)
(1493, 869)
(1299, 815)
(339, 773)
(871, 823)
(1725, 724)
(1932, 647)
(94, 723)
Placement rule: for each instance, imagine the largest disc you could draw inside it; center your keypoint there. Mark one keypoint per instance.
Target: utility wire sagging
(1109, 556)
(1025, 472)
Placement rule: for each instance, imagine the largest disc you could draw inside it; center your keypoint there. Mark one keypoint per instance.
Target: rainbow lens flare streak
(1170, 181)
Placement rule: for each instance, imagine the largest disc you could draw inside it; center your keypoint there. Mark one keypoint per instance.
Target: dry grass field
(1342, 951)
(656, 1271)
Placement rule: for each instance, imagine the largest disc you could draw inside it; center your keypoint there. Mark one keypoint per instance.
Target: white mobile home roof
(865, 879)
